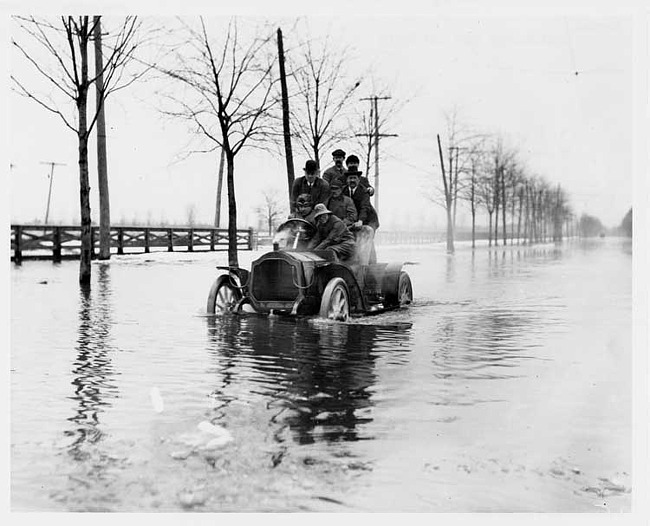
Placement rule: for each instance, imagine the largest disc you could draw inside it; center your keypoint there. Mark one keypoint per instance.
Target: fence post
(18, 255)
(92, 242)
(251, 241)
(190, 240)
(146, 240)
(120, 240)
(170, 240)
(212, 240)
(56, 245)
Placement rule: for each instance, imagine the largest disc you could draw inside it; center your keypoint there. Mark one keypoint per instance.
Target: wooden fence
(64, 242)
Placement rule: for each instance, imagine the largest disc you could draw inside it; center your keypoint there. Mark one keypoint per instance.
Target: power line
(374, 106)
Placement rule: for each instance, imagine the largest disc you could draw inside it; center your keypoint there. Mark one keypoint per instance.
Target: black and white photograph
(335, 259)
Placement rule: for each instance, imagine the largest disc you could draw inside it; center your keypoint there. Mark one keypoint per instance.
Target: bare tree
(190, 215)
(57, 50)
(323, 93)
(228, 97)
(272, 208)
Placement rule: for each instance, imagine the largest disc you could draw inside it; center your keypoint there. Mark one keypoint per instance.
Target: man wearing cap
(367, 220)
(331, 234)
(352, 164)
(304, 209)
(341, 205)
(310, 184)
(336, 170)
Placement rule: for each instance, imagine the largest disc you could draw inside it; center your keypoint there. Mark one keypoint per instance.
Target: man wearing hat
(367, 220)
(341, 205)
(366, 213)
(310, 184)
(352, 164)
(336, 170)
(331, 234)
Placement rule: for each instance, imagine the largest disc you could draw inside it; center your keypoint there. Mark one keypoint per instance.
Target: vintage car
(293, 280)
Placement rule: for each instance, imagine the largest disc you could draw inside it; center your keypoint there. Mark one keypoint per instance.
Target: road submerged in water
(505, 387)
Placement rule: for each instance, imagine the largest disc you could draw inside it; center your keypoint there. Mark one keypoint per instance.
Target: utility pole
(102, 169)
(374, 107)
(49, 193)
(285, 118)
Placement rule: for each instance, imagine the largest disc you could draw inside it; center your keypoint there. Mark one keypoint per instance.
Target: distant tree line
(490, 178)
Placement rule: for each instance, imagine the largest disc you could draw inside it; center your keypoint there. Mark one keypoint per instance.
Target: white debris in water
(156, 400)
(180, 455)
(208, 427)
(218, 442)
(208, 437)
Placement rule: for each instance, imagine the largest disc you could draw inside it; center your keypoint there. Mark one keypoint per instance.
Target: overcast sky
(561, 86)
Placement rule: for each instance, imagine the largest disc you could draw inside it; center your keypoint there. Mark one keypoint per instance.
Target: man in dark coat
(341, 205)
(331, 234)
(367, 220)
(352, 165)
(336, 171)
(310, 184)
(366, 213)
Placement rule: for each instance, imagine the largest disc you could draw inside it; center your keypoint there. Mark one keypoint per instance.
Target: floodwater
(505, 387)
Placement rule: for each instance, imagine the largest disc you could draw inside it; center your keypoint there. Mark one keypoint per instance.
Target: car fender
(336, 270)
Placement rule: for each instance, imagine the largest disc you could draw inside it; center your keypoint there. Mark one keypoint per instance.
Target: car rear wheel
(404, 289)
(335, 303)
(223, 296)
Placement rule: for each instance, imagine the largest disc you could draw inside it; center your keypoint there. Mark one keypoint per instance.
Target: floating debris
(190, 500)
(209, 437)
(180, 455)
(156, 400)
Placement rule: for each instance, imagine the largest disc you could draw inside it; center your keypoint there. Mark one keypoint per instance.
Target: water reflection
(315, 375)
(482, 343)
(93, 372)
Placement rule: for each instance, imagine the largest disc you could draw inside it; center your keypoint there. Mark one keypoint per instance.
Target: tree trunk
(490, 229)
(450, 230)
(217, 214)
(102, 169)
(521, 206)
(503, 206)
(285, 118)
(496, 210)
(233, 260)
(473, 227)
(84, 186)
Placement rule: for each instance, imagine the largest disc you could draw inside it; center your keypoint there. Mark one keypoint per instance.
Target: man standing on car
(310, 184)
(335, 171)
(367, 220)
(352, 165)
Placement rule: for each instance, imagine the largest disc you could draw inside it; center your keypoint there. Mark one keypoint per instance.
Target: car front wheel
(335, 303)
(223, 296)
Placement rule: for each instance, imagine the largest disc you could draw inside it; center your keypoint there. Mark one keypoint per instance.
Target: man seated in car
(304, 209)
(331, 234)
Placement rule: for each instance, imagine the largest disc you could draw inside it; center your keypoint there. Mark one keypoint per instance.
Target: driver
(304, 209)
(331, 234)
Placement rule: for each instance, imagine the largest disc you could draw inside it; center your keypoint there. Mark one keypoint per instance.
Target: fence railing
(64, 242)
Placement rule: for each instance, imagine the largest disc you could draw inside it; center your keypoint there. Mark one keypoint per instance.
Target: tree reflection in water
(93, 372)
(315, 375)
